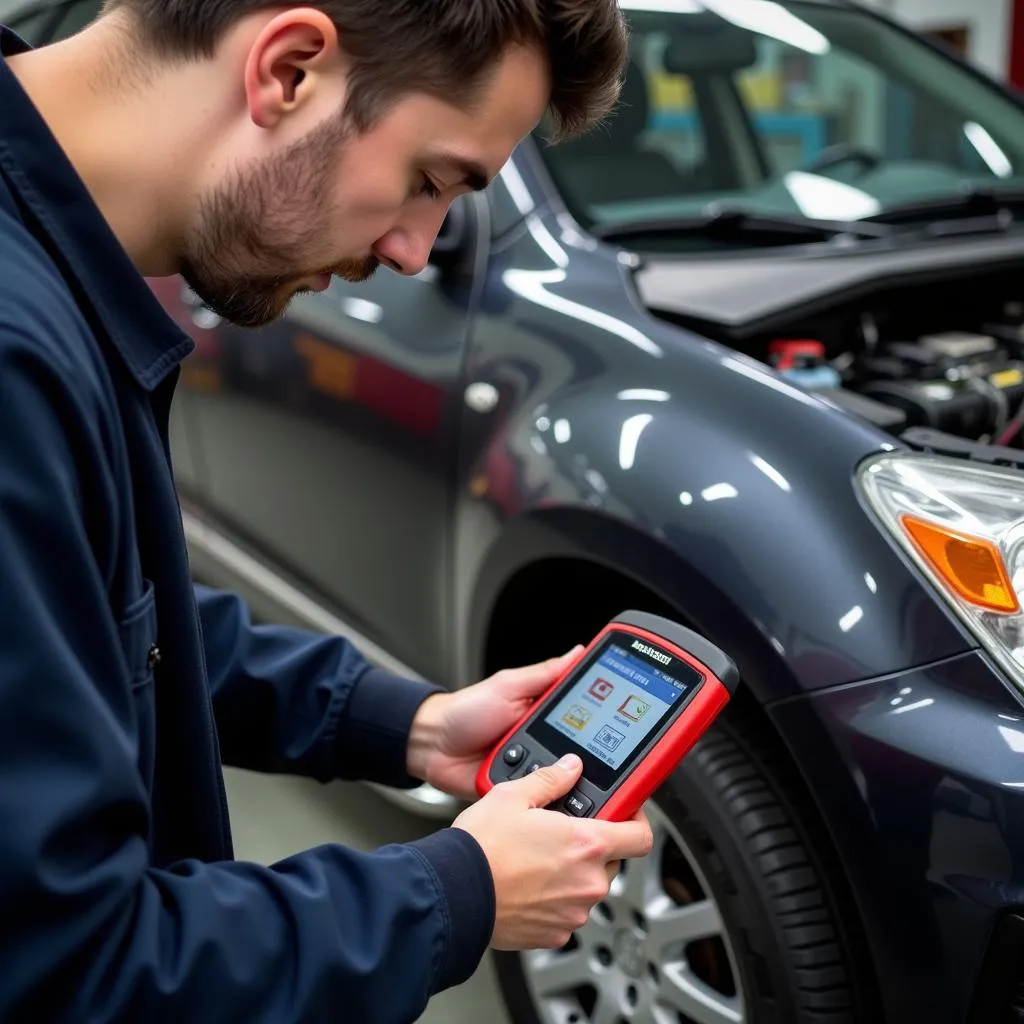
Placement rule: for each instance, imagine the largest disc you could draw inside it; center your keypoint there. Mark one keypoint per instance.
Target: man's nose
(406, 247)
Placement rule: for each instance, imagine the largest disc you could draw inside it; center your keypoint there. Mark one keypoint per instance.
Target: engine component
(971, 407)
(803, 362)
(885, 417)
(958, 344)
(951, 360)
(947, 358)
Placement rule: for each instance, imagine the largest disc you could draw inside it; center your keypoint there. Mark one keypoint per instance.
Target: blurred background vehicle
(750, 356)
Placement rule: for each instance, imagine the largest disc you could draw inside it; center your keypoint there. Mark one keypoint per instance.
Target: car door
(328, 440)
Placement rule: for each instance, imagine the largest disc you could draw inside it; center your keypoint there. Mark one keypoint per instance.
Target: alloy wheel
(655, 952)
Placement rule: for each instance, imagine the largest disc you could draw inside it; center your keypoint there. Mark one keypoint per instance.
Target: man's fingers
(546, 785)
(626, 840)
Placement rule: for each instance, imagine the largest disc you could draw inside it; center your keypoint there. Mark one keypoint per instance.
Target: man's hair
(445, 48)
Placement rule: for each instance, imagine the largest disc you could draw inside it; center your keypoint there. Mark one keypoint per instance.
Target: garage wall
(989, 22)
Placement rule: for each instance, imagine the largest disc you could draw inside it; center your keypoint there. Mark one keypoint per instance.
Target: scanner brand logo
(665, 659)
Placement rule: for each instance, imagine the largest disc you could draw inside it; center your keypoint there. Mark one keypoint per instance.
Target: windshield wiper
(982, 202)
(728, 224)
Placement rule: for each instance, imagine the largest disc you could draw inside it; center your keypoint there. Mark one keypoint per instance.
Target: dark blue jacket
(123, 687)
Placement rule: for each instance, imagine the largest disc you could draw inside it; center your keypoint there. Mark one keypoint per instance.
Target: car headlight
(962, 523)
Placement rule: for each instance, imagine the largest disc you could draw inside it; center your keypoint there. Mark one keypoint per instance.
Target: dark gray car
(741, 358)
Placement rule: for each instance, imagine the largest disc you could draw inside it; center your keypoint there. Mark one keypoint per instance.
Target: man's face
(333, 201)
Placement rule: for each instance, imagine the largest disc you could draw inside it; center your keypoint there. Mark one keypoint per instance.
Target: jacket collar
(68, 222)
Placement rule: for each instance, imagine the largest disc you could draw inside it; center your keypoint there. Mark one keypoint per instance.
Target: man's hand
(453, 732)
(549, 869)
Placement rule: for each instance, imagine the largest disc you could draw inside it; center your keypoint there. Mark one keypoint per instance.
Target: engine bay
(945, 355)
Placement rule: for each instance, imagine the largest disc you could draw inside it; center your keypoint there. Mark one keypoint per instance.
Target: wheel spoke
(669, 924)
(684, 992)
(597, 929)
(633, 884)
(553, 973)
(606, 1011)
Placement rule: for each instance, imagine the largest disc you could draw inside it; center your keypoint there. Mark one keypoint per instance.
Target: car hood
(747, 293)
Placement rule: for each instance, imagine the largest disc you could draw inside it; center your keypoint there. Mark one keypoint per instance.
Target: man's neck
(123, 136)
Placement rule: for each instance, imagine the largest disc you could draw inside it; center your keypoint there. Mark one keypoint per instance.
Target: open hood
(742, 295)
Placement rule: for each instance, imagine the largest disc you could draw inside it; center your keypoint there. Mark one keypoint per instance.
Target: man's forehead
(475, 141)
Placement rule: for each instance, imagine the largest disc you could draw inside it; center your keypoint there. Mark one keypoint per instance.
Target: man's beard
(249, 252)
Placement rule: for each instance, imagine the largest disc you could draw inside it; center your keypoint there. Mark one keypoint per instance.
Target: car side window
(651, 146)
(675, 125)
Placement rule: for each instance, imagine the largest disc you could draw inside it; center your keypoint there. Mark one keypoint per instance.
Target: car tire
(728, 832)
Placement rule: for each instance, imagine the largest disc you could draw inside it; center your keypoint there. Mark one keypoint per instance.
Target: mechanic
(255, 149)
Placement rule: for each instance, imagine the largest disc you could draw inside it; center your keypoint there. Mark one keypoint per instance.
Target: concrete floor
(276, 817)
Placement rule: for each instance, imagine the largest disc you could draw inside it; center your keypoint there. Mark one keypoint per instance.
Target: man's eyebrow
(474, 174)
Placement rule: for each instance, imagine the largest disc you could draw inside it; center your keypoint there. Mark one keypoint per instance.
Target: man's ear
(294, 53)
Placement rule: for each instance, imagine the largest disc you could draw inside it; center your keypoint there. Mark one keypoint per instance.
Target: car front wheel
(729, 920)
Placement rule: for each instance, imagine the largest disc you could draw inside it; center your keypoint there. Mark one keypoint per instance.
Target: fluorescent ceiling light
(770, 19)
(662, 6)
(989, 150)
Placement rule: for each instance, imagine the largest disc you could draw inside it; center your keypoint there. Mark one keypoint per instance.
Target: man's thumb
(547, 784)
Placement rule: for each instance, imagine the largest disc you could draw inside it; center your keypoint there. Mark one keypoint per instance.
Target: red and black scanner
(631, 705)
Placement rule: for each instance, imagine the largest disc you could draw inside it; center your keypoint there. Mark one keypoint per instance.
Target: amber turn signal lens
(970, 566)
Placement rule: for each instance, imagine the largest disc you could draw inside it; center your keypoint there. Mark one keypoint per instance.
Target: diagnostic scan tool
(631, 706)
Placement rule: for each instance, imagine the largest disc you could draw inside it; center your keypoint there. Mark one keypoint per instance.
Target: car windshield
(807, 109)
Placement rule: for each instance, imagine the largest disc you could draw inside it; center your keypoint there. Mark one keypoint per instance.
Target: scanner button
(578, 805)
(514, 754)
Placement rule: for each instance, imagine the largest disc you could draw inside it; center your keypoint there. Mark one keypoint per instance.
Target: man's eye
(428, 188)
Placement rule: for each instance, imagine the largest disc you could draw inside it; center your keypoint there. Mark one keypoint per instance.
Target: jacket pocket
(138, 632)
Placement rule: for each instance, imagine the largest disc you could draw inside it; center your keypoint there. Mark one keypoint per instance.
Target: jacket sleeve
(290, 701)
(91, 932)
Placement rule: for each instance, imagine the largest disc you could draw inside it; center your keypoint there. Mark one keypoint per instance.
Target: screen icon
(634, 708)
(608, 737)
(600, 689)
(576, 717)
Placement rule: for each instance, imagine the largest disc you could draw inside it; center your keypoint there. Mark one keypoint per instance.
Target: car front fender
(732, 499)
